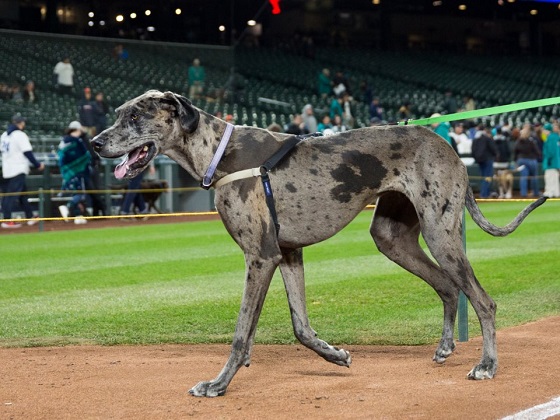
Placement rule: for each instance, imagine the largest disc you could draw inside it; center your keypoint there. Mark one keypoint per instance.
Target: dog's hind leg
(395, 229)
(445, 243)
(259, 271)
(291, 268)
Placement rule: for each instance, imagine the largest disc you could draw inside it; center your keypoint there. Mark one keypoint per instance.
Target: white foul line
(538, 412)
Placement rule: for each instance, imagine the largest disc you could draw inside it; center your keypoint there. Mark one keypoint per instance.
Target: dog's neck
(195, 151)
(248, 147)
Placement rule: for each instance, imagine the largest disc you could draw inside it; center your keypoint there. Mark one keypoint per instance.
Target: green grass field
(182, 283)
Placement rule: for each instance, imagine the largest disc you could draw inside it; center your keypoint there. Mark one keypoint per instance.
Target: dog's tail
(488, 227)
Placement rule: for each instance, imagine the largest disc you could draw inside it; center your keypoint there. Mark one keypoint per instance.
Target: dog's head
(146, 126)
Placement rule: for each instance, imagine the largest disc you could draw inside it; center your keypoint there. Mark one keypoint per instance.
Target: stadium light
(101, 23)
(90, 23)
(534, 12)
(151, 29)
(177, 11)
(133, 15)
(91, 14)
(462, 7)
(119, 18)
(221, 28)
(148, 12)
(251, 22)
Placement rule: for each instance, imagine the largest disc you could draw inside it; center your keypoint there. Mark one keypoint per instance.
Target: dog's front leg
(259, 271)
(291, 267)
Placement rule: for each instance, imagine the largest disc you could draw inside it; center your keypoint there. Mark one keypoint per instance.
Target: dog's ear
(188, 115)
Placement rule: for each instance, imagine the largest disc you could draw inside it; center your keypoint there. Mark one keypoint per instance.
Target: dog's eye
(134, 117)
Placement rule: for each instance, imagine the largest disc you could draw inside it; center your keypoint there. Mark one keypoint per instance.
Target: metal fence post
(41, 209)
(462, 310)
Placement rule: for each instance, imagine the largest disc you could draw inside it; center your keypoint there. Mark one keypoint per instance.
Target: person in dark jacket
(86, 111)
(101, 109)
(74, 160)
(484, 152)
(526, 154)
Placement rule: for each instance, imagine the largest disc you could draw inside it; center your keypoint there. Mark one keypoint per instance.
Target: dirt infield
(151, 382)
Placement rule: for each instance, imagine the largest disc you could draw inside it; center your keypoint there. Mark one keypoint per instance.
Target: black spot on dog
(396, 146)
(395, 156)
(314, 172)
(291, 187)
(358, 172)
(267, 248)
(425, 194)
(445, 207)
(396, 172)
(427, 184)
(314, 157)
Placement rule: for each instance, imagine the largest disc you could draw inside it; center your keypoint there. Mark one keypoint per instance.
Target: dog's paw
(444, 350)
(482, 371)
(207, 389)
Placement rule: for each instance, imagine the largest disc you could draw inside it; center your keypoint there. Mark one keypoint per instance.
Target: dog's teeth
(145, 148)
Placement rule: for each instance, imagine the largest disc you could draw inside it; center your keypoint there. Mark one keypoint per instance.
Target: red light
(275, 6)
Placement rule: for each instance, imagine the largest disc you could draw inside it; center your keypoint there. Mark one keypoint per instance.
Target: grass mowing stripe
(183, 283)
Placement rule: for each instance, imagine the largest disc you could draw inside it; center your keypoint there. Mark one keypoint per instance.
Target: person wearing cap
(87, 113)
(74, 160)
(551, 159)
(17, 154)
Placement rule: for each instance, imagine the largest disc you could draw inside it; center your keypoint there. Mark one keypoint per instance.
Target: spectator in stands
(234, 88)
(464, 144)
(340, 83)
(551, 160)
(450, 104)
(5, 91)
(526, 154)
(64, 73)
(101, 109)
(17, 153)
(336, 106)
(87, 113)
(17, 95)
(375, 109)
(309, 120)
(484, 152)
(324, 83)
(133, 197)
(296, 126)
(404, 112)
(196, 79)
(74, 160)
(468, 103)
(442, 129)
(337, 125)
(347, 113)
(366, 93)
(325, 124)
(29, 93)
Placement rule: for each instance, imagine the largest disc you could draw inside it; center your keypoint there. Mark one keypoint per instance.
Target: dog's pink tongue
(122, 168)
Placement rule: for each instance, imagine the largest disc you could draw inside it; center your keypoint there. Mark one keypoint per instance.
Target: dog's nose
(97, 143)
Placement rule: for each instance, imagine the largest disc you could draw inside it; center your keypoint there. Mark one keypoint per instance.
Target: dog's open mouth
(135, 161)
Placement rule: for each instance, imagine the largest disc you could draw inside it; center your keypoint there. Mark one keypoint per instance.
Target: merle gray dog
(417, 181)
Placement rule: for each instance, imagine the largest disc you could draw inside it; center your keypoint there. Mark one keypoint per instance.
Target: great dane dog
(417, 181)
